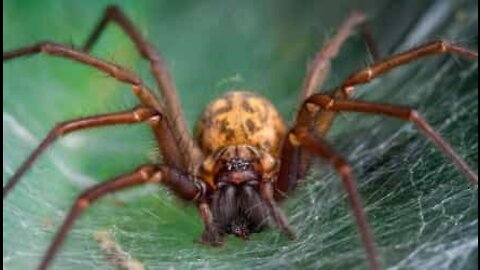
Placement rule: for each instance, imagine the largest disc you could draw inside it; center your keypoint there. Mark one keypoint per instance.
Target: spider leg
(320, 66)
(116, 71)
(183, 186)
(138, 115)
(370, 42)
(211, 235)
(324, 121)
(290, 169)
(165, 137)
(267, 192)
(315, 77)
(301, 136)
(367, 74)
(164, 80)
(294, 160)
(328, 103)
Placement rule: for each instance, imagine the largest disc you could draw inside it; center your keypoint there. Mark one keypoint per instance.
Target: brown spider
(244, 159)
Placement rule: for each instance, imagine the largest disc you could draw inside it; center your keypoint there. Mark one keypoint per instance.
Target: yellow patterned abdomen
(241, 118)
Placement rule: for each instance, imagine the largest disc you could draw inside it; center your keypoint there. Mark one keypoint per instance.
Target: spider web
(422, 210)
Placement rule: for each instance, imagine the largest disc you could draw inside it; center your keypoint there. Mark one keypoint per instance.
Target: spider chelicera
(244, 159)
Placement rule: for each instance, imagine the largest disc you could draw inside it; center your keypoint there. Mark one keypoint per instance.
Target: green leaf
(423, 211)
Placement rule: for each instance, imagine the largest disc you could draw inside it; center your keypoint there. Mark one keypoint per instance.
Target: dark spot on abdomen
(251, 126)
(247, 107)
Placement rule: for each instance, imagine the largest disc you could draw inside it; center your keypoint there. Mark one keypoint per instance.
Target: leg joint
(413, 115)
(443, 45)
(112, 10)
(46, 47)
(318, 100)
(342, 167)
(59, 130)
(82, 202)
(144, 113)
(146, 172)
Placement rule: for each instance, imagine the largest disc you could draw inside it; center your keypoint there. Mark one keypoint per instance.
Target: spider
(244, 159)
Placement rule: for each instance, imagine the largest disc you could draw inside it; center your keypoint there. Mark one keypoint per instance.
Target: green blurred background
(423, 212)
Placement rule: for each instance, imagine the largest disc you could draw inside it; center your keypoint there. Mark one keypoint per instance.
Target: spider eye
(237, 164)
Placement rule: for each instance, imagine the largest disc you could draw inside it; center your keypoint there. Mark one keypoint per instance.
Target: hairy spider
(244, 159)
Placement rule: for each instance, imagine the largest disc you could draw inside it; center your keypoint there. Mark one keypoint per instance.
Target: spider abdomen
(241, 118)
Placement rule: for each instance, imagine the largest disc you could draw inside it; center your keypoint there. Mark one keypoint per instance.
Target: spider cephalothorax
(244, 154)
(237, 164)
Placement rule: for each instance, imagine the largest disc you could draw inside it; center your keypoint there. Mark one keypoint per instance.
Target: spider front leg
(319, 68)
(190, 151)
(166, 139)
(181, 184)
(317, 72)
(122, 74)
